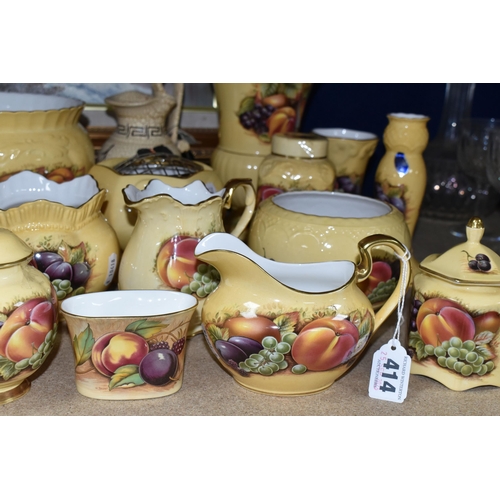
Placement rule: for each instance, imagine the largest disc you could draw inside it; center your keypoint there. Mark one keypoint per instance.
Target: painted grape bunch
(480, 262)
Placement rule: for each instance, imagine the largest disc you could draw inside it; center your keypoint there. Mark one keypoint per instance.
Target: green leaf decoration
(267, 89)
(145, 328)
(484, 337)
(483, 351)
(286, 323)
(7, 368)
(215, 333)
(413, 339)
(366, 325)
(82, 345)
(291, 90)
(128, 374)
(246, 105)
(420, 350)
(73, 254)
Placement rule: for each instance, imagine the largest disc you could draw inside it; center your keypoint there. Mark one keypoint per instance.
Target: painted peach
(26, 328)
(441, 319)
(253, 328)
(116, 349)
(176, 263)
(61, 174)
(282, 120)
(276, 100)
(325, 343)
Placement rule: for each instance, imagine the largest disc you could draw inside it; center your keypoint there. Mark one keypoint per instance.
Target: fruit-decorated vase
(116, 174)
(63, 224)
(289, 329)
(401, 175)
(28, 317)
(170, 223)
(42, 133)
(349, 151)
(454, 327)
(249, 115)
(129, 344)
(318, 226)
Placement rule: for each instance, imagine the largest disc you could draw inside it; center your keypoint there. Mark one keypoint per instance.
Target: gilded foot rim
(283, 394)
(15, 393)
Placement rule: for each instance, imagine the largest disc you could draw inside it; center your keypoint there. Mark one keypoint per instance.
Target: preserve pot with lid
(455, 315)
(298, 162)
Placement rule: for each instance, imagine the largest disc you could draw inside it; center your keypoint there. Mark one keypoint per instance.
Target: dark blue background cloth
(365, 106)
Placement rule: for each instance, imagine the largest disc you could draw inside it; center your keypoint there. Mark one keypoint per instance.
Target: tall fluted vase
(400, 178)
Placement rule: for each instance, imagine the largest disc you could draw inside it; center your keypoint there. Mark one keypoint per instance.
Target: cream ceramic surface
(64, 226)
(284, 328)
(142, 122)
(314, 226)
(129, 345)
(242, 148)
(171, 221)
(455, 315)
(42, 134)
(298, 162)
(401, 174)
(28, 317)
(113, 181)
(349, 151)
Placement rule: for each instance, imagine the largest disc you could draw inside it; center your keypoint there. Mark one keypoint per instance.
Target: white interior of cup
(328, 204)
(345, 133)
(14, 101)
(128, 303)
(27, 186)
(191, 194)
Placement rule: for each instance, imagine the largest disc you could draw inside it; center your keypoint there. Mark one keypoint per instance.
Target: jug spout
(229, 254)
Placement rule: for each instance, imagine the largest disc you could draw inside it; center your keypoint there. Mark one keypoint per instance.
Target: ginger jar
(455, 315)
(28, 317)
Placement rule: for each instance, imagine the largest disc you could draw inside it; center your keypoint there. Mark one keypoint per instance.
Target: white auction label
(112, 260)
(390, 373)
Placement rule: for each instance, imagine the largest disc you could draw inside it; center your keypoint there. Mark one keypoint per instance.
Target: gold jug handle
(364, 267)
(250, 202)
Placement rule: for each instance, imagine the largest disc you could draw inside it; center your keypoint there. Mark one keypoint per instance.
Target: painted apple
(255, 328)
(441, 319)
(487, 322)
(265, 192)
(325, 343)
(26, 328)
(116, 349)
(176, 263)
(380, 273)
